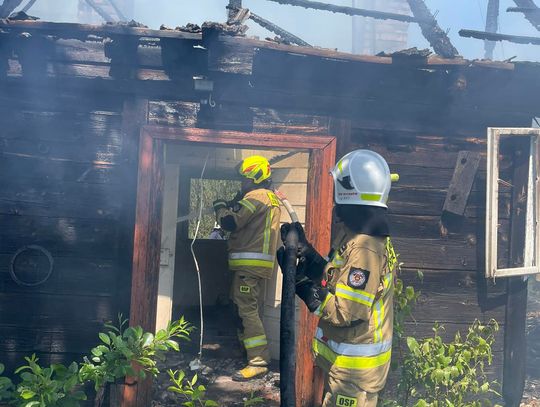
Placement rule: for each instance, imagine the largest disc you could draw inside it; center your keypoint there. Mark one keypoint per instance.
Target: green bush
(195, 394)
(123, 349)
(437, 374)
(6, 386)
(54, 386)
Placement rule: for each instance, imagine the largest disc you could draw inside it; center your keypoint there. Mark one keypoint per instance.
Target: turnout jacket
(353, 340)
(253, 242)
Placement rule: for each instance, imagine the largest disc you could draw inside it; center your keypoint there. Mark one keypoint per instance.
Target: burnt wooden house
(86, 113)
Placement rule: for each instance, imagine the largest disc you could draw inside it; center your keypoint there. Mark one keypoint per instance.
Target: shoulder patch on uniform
(274, 201)
(358, 278)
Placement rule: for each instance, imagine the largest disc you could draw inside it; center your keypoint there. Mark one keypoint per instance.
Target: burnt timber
(489, 36)
(71, 141)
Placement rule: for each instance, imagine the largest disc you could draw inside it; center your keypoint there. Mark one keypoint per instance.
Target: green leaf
(27, 394)
(173, 344)
(412, 344)
(210, 403)
(105, 338)
(147, 339)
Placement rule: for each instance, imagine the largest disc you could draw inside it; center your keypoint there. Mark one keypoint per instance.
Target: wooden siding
(62, 186)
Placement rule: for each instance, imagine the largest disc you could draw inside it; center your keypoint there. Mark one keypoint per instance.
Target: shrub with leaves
(54, 386)
(6, 386)
(436, 374)
(122, 348)
(195, 394)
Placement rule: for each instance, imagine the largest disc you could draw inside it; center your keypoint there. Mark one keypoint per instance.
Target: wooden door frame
(147, 236)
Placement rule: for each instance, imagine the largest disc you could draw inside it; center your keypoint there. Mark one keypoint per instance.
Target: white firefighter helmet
(362, 177)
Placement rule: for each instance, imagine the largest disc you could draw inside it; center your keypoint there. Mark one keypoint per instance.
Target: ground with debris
(216, 377)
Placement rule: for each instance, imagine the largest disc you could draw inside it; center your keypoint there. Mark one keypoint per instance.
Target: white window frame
(532, 250)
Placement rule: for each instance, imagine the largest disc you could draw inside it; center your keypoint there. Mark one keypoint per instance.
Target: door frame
(147, 236)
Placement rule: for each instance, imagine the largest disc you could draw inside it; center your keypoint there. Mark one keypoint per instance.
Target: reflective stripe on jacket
(252, 245)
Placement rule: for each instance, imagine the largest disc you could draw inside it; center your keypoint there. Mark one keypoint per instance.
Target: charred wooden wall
(66, 184)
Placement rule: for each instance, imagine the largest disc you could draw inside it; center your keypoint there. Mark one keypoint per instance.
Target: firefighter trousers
(246, 291)
(338, 392)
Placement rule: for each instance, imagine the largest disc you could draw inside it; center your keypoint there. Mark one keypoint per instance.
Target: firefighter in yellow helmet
(253, 220)
(352, 291)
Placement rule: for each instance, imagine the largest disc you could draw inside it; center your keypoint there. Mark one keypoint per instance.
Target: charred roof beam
(436, 37)
(483, 35)
(8, 6)
(532, 14)
(352, 11)
(102, 13)
(244, 14)
(492, 25)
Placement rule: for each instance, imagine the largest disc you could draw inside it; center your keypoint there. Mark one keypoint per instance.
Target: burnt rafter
(8, 6)
(284, 34)
(482, 35)
(532, 14)
(29, 5)
(436, 37)
(352, 11)
(492, 25)
(117, 10)
(102, 13)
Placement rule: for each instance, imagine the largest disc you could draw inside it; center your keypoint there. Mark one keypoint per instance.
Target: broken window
(524, 147)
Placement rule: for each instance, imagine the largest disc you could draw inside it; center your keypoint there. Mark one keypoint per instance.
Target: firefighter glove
(220, 203)
(239, 195)
(312, 294)
(311, 263)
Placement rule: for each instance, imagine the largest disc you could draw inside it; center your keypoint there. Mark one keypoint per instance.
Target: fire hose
(287, 351)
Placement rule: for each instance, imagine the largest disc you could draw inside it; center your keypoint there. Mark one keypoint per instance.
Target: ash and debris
(189, 28)
(531, 395)
(216, 375)
(21, 16)
(410, 52)
(131, 24)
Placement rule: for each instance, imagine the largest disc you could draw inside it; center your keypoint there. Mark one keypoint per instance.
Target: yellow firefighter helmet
(256, 168)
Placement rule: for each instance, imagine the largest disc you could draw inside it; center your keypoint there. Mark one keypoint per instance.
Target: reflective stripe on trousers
(251, 259)
(255, 341)
(350, 349)
(355, 362)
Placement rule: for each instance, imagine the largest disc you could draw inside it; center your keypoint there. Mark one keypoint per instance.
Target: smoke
(326, 29)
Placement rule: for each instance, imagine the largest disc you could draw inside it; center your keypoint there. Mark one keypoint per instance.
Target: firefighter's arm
(357, 283)
(235, 218)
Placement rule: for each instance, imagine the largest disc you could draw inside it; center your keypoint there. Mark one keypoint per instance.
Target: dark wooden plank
(443, 254)
(46, 310)
(282, 121)
(462, 182)
(429, 227)
(54, 199)
(59, 339)
(61, 236)
(80, 128)
(423, 202)
(90, 277)
(451, 297)
(39, 169)
(515, 341)
(180, 114)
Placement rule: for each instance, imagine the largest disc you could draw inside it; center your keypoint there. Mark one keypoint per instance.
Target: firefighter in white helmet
(253, 220)
(352, 291)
